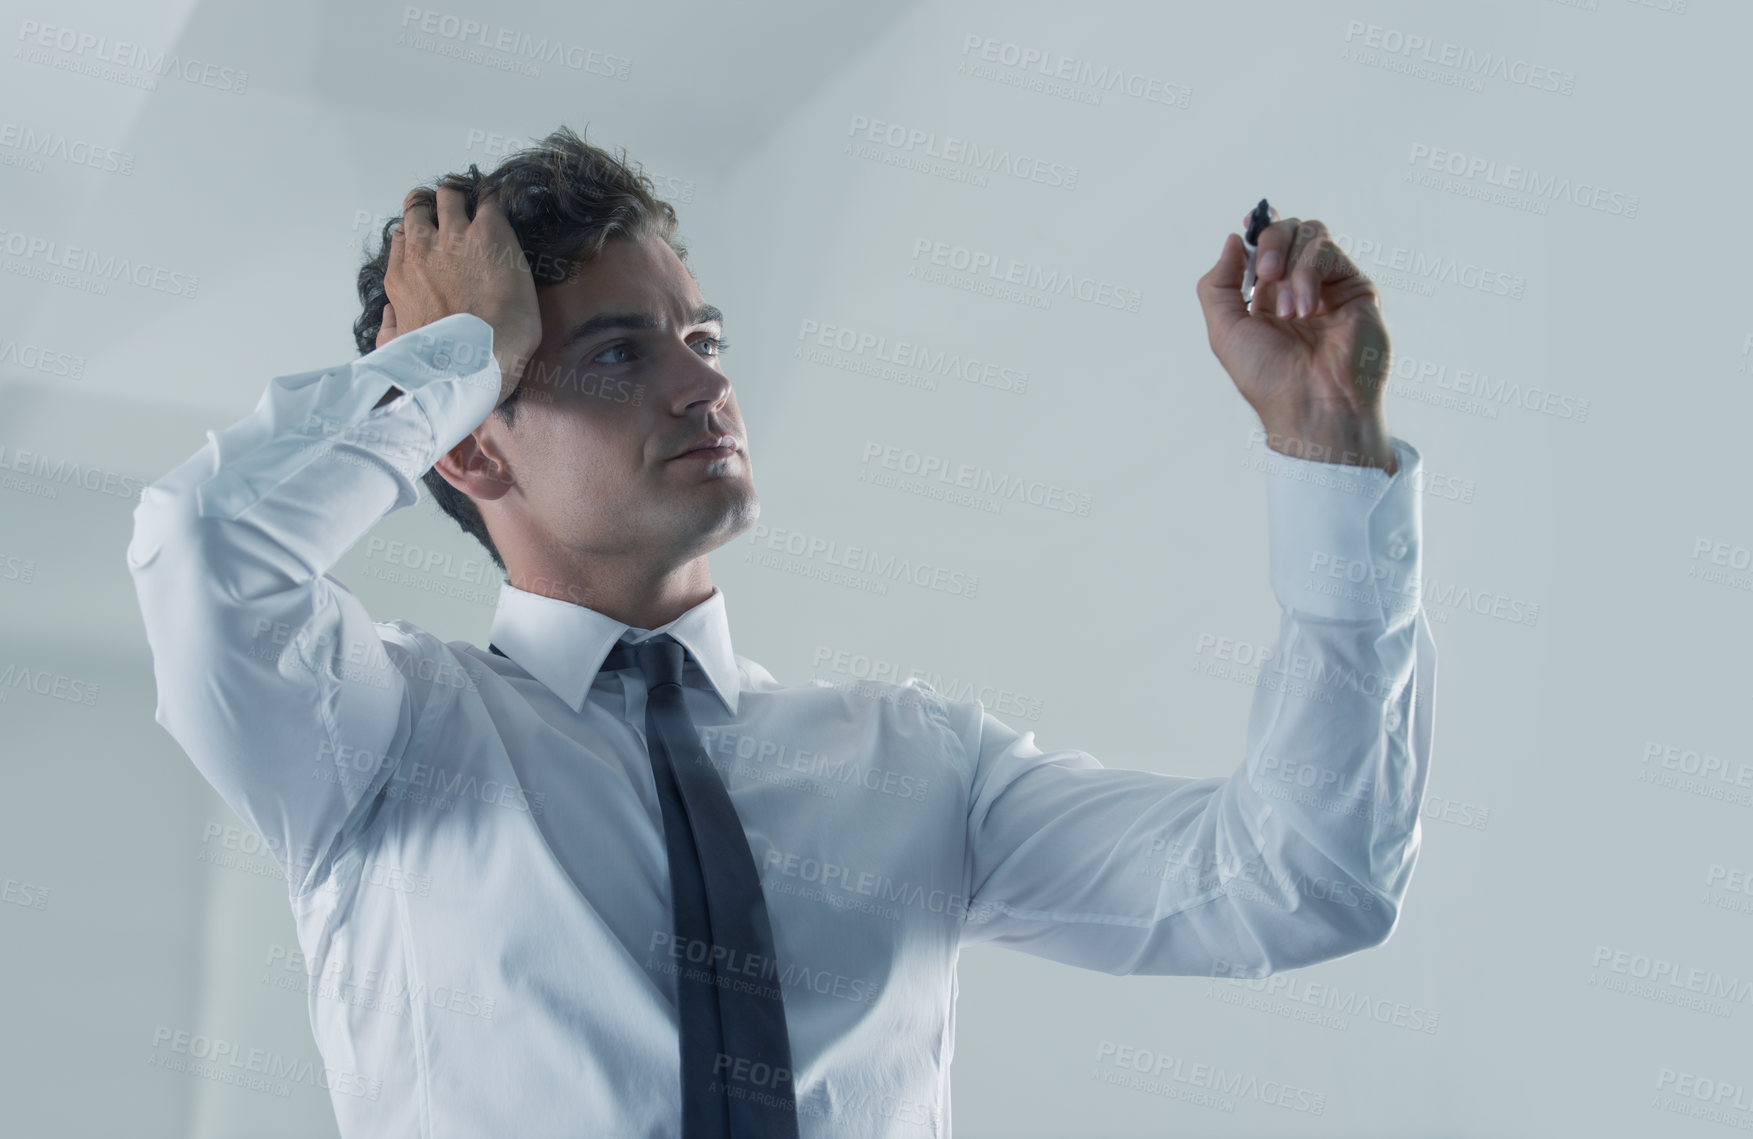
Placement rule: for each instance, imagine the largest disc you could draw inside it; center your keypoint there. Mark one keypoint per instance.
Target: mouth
(717, 447)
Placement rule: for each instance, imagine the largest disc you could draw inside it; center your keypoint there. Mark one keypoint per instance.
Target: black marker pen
(1257, 221)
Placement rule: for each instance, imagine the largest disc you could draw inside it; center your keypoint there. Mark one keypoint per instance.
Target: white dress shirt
(475, 854)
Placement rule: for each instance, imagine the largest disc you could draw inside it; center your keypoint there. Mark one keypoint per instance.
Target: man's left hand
(1312, 357)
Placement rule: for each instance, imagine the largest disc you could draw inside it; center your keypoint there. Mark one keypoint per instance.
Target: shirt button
(1393, 719)
(1398, 545)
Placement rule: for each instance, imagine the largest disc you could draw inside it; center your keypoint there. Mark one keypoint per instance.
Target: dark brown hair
(564, 198)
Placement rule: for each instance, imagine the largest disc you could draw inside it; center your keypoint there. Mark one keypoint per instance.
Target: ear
(476, 466)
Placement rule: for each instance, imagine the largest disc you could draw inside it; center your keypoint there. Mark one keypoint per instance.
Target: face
(627, 379)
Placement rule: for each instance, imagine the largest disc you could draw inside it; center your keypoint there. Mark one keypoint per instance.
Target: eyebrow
(633, 321)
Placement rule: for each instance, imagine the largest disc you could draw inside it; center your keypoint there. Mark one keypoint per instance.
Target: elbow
(1354, 920)
(1337, 923)
(1383, 918)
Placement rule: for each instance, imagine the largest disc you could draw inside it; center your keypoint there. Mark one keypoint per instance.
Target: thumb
(1220, 291)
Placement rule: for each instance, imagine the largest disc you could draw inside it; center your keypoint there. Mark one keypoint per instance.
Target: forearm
(265, 665)
(322, 458)
(1325, 437)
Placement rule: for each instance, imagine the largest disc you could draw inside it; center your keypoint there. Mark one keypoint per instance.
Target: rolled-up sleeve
(1301, 855)
(270, 674)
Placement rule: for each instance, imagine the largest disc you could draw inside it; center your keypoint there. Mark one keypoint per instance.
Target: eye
(621, 346)
(719, 345)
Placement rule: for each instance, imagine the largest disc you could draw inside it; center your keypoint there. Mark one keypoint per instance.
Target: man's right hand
(442, 263)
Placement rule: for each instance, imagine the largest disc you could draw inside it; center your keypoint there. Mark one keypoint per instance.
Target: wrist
(1347, 440)
(511, 363)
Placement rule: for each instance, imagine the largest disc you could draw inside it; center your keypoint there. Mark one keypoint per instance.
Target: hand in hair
(442, 262)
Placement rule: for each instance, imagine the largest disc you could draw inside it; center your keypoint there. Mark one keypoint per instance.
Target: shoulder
(424, 662)
(903, 707)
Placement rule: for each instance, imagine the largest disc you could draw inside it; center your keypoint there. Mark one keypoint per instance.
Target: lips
(711, 446)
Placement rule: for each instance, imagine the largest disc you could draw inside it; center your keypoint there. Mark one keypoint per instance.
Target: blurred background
(1544, 192)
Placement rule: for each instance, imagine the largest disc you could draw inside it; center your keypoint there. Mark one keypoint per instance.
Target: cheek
(586, 453)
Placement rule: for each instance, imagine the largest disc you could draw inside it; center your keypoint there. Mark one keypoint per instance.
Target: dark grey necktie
(736, 1054)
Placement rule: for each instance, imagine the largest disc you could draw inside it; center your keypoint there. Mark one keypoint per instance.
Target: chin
(730, 513)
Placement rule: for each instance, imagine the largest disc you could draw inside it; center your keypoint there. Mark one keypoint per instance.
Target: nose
(694, 383)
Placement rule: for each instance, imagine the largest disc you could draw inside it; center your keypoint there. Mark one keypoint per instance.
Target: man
(608, 877)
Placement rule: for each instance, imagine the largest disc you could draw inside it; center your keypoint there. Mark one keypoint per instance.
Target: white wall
(1543, 843)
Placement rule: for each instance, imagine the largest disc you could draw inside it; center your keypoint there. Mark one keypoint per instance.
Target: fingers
(1309, 259)
(1322, 272)
(494, 224)
(1297, 266)
(398, 251)
(1220, 291)
(417, 228)
(1274, 245)
(452, 217)
(1302, 275)
(419, 219)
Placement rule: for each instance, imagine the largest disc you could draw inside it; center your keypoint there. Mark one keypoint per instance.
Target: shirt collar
(563, 645)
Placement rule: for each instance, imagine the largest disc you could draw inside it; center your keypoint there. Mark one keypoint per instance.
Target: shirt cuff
(1346, 540)
(447, 368)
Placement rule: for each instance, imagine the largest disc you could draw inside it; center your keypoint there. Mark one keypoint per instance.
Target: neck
(644, 597)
